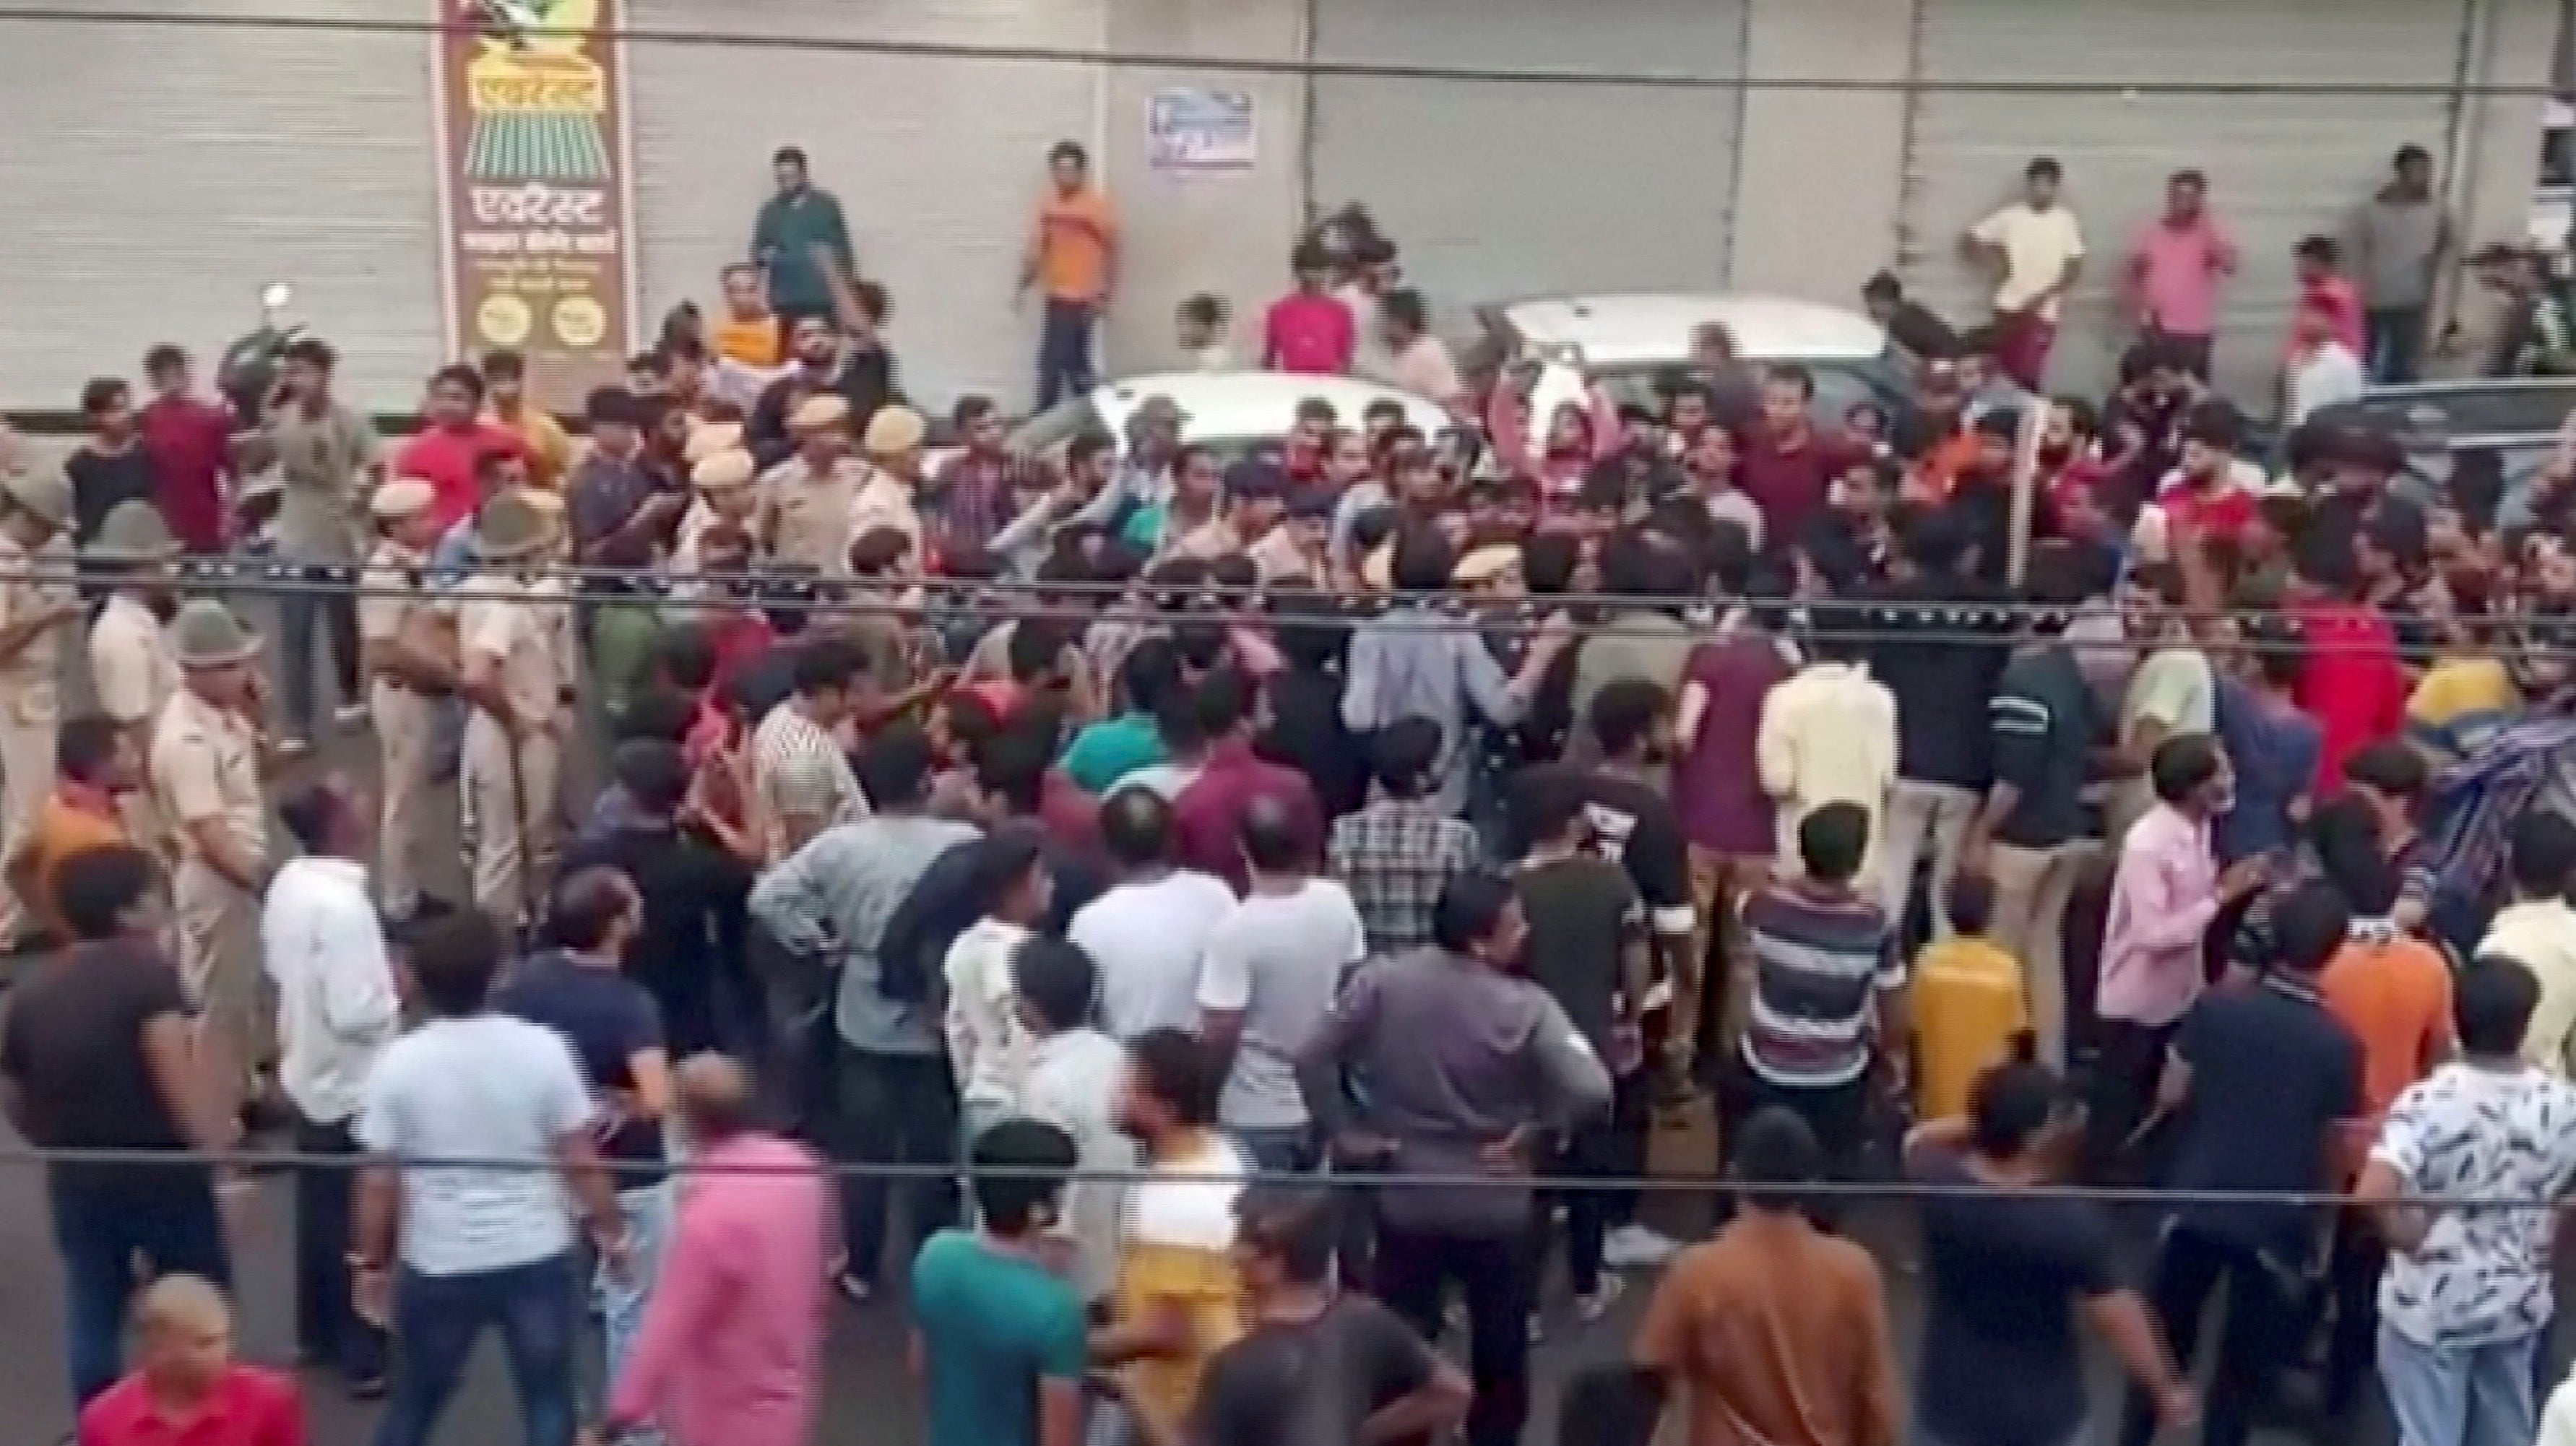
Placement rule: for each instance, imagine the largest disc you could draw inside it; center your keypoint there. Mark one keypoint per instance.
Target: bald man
(727, 1353)
(185, 1372)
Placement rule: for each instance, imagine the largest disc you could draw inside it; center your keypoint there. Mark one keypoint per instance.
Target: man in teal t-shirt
(1110, 749)
(1000, 1330)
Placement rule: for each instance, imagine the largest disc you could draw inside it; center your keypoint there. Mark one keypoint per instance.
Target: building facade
(159, 174)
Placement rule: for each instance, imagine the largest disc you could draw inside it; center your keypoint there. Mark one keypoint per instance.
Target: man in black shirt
(110, 465)
(690, 951)
(98, 1055)
(1316, 1366)
(1632, 819)
(1909, 323)
(2260, 1080)
(1940, 651)
(613, 1028)
(1588, 947)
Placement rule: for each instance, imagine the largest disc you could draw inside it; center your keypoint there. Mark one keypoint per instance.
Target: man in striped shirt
(801, 779)
(1828, 989)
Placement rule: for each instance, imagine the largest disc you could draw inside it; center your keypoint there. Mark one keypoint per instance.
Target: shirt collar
(2292, 988)
(86, 798)
(334, 868)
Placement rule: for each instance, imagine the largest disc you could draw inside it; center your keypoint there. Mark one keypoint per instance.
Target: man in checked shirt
(1397, 853)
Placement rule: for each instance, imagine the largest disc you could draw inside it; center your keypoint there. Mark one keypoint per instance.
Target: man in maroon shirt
(187, 1389)
(1207, 817)
(189, 440)
(1787, 462)
(445, 453)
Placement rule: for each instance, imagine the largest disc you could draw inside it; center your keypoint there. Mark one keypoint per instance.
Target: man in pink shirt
(2165, 893)
(728, 1352)
(2176, 267)
(189, 440)
(1308, 330)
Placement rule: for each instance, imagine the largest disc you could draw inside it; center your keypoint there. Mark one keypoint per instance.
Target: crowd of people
(1278, 882)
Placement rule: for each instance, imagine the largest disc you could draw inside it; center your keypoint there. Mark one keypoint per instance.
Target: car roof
(1628, 329)
(1229, 405)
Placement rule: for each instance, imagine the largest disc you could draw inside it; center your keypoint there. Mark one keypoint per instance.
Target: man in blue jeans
(481, 1245)
(97, 1055)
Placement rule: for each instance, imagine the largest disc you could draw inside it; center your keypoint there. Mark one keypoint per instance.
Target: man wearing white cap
(410, 662)
(206, 769)
(131, 667)
(35, 511)
(808, 502)
(511, 646)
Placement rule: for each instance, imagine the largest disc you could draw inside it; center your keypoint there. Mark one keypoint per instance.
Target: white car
(1624, 341)
(1229, 411)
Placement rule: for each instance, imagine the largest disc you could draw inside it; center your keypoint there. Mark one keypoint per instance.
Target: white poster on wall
(1193, 130)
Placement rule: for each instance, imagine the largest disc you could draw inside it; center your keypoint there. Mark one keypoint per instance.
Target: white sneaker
(351, 715)
(1631, 1246)
(291, 747)
(1596, 1305)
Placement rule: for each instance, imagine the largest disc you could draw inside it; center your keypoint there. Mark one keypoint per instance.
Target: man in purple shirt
(1207, 817)
(1787, 460)
(2177, 265)
(1717, 785)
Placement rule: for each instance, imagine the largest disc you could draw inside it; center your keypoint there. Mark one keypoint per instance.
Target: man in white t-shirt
(486, 1243)
(2320, 371)
(1149, 931)
(1273, 967)
(2466, 1302)
(2037, 251)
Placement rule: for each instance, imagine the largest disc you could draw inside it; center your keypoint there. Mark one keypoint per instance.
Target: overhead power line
(2124, 87)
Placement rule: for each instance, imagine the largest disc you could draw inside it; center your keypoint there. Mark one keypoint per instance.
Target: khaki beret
(707, 439)
(815, 413)
(402, 497)
(895, 430)
(724, 471)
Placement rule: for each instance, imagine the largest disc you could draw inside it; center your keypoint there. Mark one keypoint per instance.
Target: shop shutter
(155, 177)
(1495, 189)
(938, 163)
(2280, 166)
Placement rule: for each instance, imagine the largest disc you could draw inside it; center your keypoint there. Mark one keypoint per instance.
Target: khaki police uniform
(512, 792)
(394, 604)
(205, 767)
(135, 676)
(809, 519)
(31, 705)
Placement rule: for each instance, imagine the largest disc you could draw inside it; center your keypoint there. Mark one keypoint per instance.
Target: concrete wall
(1821, 174)
(1229, 233)
(2517, 43)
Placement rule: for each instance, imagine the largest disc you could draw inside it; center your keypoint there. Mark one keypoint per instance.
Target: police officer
(409, 652)
(205, 767)
(809, 502)
(513, 637)
(131, 666)
(35, 515)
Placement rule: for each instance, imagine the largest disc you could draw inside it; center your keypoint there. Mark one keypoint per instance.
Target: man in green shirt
(997, 1328)
(792, 224)
(1112, 748)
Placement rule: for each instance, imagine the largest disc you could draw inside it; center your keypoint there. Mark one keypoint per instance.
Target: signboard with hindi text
(535, 189)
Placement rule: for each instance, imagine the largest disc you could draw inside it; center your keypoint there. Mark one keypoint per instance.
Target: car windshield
(1045, 434)
(1840, 386)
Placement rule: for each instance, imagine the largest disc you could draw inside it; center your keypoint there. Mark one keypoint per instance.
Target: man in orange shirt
(2393, 992)
(749, 331)
(1074, 255)
(96, 763)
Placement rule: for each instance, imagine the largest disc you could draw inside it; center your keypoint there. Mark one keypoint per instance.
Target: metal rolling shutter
(937, 162)
(156, 176)
(2280, 167)
(1498, 189)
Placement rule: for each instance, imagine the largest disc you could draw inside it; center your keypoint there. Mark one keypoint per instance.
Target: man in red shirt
(186, 1389)
(1207, 817)
(2205, 496)
(1787, 463)
(456, 438)
(189, 440)
(2353, 683)
(1308, 330)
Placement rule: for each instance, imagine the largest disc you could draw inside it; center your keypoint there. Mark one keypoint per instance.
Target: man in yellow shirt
(505, 386)
(1074, 254)
(1968, 1004)
(749, 332)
